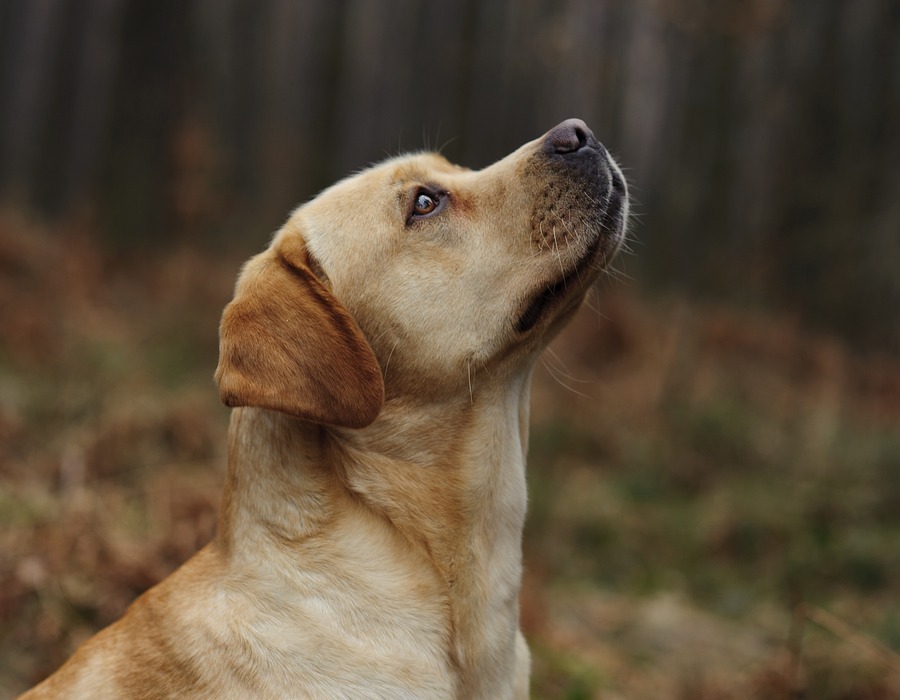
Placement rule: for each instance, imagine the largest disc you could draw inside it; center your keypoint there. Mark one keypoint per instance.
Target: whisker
(553, 374)
(562, 269)
(617, 275)
(592, 303)
(445, 143)
(387, 362)
(563, 369)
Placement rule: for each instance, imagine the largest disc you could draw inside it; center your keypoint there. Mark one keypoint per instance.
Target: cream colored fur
(369, 543)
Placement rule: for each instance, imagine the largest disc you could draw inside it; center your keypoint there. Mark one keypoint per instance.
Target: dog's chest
(353, 624)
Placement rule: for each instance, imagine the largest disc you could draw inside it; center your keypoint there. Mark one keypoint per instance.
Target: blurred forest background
(715, 461)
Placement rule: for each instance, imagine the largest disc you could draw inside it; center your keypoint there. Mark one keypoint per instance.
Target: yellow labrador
(381, 351)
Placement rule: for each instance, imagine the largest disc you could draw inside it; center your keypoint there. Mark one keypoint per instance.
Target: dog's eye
(426, 203)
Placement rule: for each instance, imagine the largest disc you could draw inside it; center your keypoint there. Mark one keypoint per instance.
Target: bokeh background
(715, 457)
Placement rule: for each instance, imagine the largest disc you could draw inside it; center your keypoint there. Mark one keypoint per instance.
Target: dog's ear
(286, 344)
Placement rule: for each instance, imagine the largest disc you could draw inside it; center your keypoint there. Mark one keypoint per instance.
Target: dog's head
(413, 277)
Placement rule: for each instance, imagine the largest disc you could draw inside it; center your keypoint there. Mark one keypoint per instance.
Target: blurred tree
(761, 135)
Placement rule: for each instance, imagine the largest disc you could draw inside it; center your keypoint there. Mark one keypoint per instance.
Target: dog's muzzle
(580, 208)
(585, 192)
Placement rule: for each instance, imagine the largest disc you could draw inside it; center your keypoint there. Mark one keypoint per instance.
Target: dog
(378, 356)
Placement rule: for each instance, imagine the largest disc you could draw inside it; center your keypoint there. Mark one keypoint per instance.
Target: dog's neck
(456, 496)
(469, 510)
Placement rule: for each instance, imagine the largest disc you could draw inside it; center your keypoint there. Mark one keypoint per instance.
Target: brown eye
(425, 204)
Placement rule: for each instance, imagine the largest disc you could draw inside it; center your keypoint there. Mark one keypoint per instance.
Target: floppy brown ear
(286, 344)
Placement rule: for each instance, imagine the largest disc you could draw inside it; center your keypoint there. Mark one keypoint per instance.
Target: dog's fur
(369, 543)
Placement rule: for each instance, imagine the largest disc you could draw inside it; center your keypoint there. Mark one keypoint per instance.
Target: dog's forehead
(411, 164)
(420, 166)
(388, 177)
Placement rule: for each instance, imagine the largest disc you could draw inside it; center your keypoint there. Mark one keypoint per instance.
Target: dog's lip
(554, 293)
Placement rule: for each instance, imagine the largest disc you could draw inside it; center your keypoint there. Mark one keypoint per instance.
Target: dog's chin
(553, 298)
(549, 299)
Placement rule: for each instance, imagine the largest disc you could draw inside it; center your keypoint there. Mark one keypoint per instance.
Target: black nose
(569, 137)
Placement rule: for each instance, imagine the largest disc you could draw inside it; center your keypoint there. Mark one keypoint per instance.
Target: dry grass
(715, 492)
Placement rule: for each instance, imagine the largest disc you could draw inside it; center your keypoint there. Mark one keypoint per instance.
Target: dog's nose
(569, 137)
